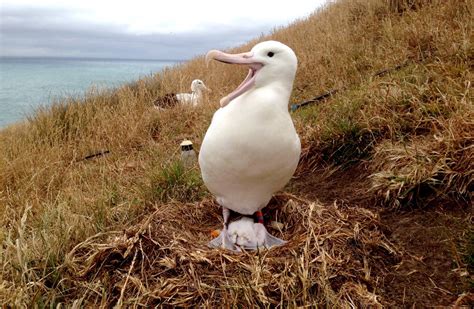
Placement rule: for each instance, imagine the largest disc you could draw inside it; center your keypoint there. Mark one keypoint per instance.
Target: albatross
(192, 99)
(251, 148)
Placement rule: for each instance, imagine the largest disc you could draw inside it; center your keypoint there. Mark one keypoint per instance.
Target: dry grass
(63, 218)
(333, 257)
(427, 168)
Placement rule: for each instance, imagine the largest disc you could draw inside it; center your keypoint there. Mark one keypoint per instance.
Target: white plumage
(245, 233)
(251, 148)
(195, 97)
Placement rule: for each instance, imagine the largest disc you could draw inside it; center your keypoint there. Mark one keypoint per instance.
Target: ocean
(26, 83)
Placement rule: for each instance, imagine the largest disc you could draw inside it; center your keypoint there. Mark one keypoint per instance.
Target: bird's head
(198, 85)
(269, 62)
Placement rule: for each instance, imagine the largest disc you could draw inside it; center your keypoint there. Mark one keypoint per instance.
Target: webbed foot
(223, 241)
(266, 239)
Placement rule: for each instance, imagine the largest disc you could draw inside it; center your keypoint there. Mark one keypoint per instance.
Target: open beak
(243, 58)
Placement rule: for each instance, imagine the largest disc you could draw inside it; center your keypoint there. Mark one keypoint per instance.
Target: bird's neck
(197, 93)
(276, 93)
(195, 96)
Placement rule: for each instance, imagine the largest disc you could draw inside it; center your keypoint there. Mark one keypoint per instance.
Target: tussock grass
(63, 217)
(176, 182)
(427, 168)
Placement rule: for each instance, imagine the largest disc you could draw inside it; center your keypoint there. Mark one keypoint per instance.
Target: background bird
(172, 99)
(251, 148)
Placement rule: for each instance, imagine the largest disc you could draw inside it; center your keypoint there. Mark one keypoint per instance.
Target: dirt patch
(432, 270)
(327, 185)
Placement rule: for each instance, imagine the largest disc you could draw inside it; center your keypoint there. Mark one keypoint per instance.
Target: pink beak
(243, 58)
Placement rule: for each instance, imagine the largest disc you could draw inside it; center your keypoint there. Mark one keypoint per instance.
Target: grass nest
(335, 255)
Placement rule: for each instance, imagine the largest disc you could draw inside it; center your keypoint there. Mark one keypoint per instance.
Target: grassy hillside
(130, 227)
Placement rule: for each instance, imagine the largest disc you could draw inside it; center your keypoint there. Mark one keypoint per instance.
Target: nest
(336, 255)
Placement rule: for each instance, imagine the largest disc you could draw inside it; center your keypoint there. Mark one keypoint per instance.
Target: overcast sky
(142, 29)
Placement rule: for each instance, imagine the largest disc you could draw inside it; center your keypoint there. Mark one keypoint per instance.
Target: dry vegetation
(129, 227)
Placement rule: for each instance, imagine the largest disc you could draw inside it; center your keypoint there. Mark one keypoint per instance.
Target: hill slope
(378, 213)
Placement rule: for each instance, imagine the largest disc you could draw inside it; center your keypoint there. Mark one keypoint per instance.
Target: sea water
(26, 83)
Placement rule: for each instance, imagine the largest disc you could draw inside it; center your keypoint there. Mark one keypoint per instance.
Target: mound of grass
(333, 258)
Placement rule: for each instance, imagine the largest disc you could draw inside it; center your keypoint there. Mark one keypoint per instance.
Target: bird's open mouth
(244, 58)
(247, 83)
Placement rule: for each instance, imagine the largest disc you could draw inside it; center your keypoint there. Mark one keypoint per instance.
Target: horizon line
(90, 58)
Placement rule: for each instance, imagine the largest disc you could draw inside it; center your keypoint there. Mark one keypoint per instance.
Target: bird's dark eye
(270, 54)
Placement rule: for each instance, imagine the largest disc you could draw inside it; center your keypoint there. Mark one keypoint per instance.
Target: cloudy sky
(142, 29)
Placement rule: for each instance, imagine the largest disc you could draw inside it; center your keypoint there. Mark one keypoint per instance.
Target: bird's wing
(184, 97)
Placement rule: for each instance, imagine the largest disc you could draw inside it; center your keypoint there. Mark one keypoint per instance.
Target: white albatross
(193, 98)
(190, 99)
(251, 148)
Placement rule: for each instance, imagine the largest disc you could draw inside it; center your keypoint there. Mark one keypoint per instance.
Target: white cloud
(128, 27)
(144, 16)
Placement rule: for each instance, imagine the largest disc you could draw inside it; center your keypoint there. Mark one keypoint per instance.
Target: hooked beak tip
(210, 56)
(224, 101)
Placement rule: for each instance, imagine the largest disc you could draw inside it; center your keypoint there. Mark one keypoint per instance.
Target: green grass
(175, 182)
(469, 253)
